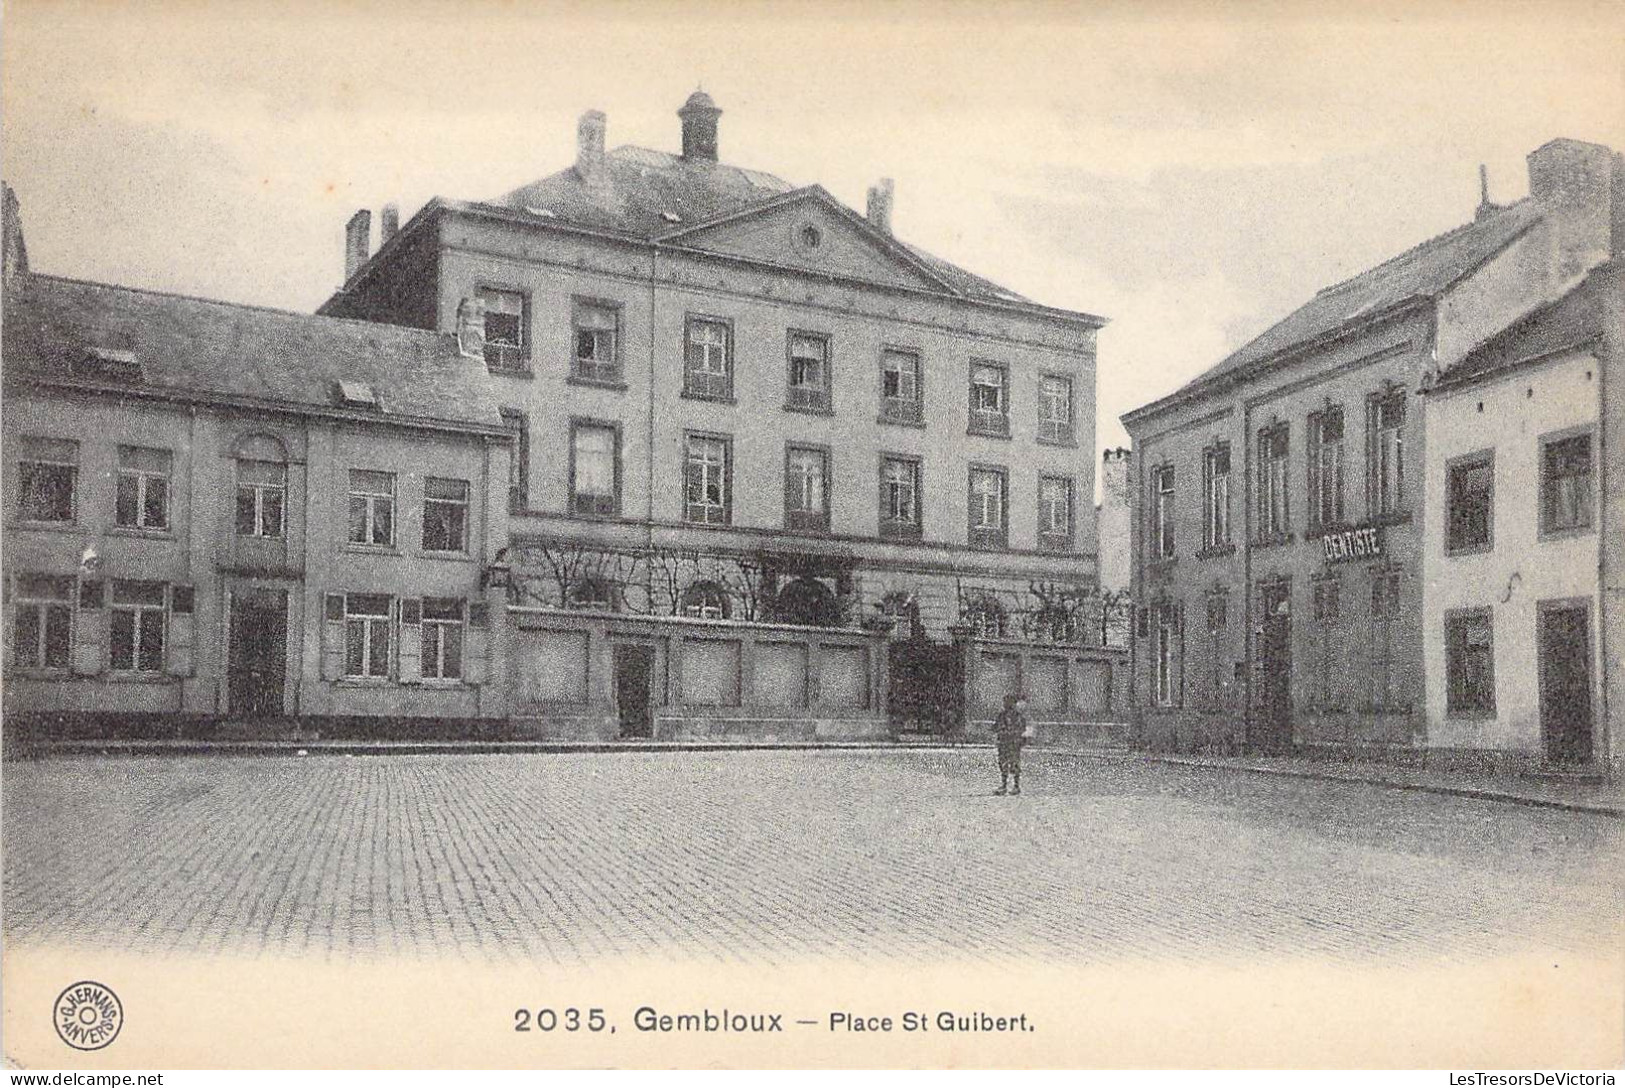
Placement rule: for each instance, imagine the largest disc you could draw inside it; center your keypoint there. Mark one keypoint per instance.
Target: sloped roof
(194, 347)
(1574, 319)
(1423, 271)
(637, 192)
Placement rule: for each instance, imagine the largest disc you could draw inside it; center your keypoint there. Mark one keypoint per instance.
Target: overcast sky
(1189, 174)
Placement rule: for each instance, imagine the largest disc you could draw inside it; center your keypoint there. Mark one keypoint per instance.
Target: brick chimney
(15, 258)
(590, 130)
(357, 239)
(699, 116)
(1573, 179)
(389, 223)
(880, 196)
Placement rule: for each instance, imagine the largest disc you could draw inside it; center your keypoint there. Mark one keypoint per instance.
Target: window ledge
(44, 526)
(453, 557)
(1054, 543)
(616, 384)
(1274, 541)
(370, 549)
(363, 681)
(1063, 443)
(524, 372)
(31, 672)
(982, 432)
(1216, 551)
(1475, 549)
(582, 515)
(1564, 534)
(137, 678)
(906, 533)
(689, 394)
(809, 409)
(896, 422)
(138, 533)
(1397, 517)
(1470, 715)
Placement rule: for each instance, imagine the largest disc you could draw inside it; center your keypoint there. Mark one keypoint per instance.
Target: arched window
(706, 601)
(262, 485)
(984, 612)
(593, 594)
(808, 602)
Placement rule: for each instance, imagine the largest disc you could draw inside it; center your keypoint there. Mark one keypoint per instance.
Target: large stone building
(739, 400)
(1281, 539)
(223, 517)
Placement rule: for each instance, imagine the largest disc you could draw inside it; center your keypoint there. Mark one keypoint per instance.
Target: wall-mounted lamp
(498, 573)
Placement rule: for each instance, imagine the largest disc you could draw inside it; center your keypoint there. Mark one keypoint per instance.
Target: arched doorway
(808, 602)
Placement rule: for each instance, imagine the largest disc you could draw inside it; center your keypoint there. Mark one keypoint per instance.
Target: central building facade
(737, 401)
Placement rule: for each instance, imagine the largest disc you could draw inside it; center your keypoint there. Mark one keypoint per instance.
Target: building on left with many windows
(219, 513)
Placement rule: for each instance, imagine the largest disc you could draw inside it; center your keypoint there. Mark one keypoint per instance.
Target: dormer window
(108, 364)
(356, 395)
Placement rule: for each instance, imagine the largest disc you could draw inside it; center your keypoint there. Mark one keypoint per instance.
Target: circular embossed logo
(88, 1015)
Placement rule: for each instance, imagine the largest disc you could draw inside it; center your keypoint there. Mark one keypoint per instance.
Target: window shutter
(1178, 654)
(333, 637)
(182, 621)
(8, 633)
(410, 667)
(90, 631)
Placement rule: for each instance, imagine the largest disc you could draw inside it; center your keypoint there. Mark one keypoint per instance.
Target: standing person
(1012, 729)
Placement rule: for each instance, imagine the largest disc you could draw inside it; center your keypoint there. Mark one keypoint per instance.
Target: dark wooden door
(925, 686)
(634, 670)
(1565, 684)
(1275, 675)
(257, 658)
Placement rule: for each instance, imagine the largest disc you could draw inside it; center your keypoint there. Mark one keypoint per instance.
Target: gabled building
(222, 517)
(737, 400)
(1282, 527)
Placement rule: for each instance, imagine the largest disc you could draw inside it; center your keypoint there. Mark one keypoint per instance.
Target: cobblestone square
(758, 857)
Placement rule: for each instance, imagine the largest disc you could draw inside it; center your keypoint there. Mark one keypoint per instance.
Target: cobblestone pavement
(772, 856)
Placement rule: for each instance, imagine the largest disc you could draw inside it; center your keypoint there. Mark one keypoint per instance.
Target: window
(1326, 468)
(506, 343)
(806, 488)
(445, 515)
(372, 507)
(1385, 454)
(597, 341)
(989, 402)
(1055, 409)
(42, 622)
(1165, 652)
(1469, 662)
(594, 469)
(1162, 512)
(988, 492)
(366, 634)
(1565, 484)
(705, 601)
(1324, 636)
(901, 398)
(809, 372)
(707, 466)
(518, 424)
(900, 498)
(1054, 511)
(593, 594)
(136, 635)
(1470, 495)
(142, 495)
(45, 479)
(262, 491)
(442, 649)
(708, 359)
(1216, 496)
(983, 612)
(1273, 520)
(1385, 620)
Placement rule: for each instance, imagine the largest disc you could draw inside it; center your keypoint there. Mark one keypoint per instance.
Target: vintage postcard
(796, 535)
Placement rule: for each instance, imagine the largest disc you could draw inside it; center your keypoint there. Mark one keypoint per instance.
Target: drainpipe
(1608, 355)
(1248, 647)
(649, 450)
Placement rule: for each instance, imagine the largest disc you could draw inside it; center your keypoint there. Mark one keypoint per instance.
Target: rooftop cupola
(699, 115)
